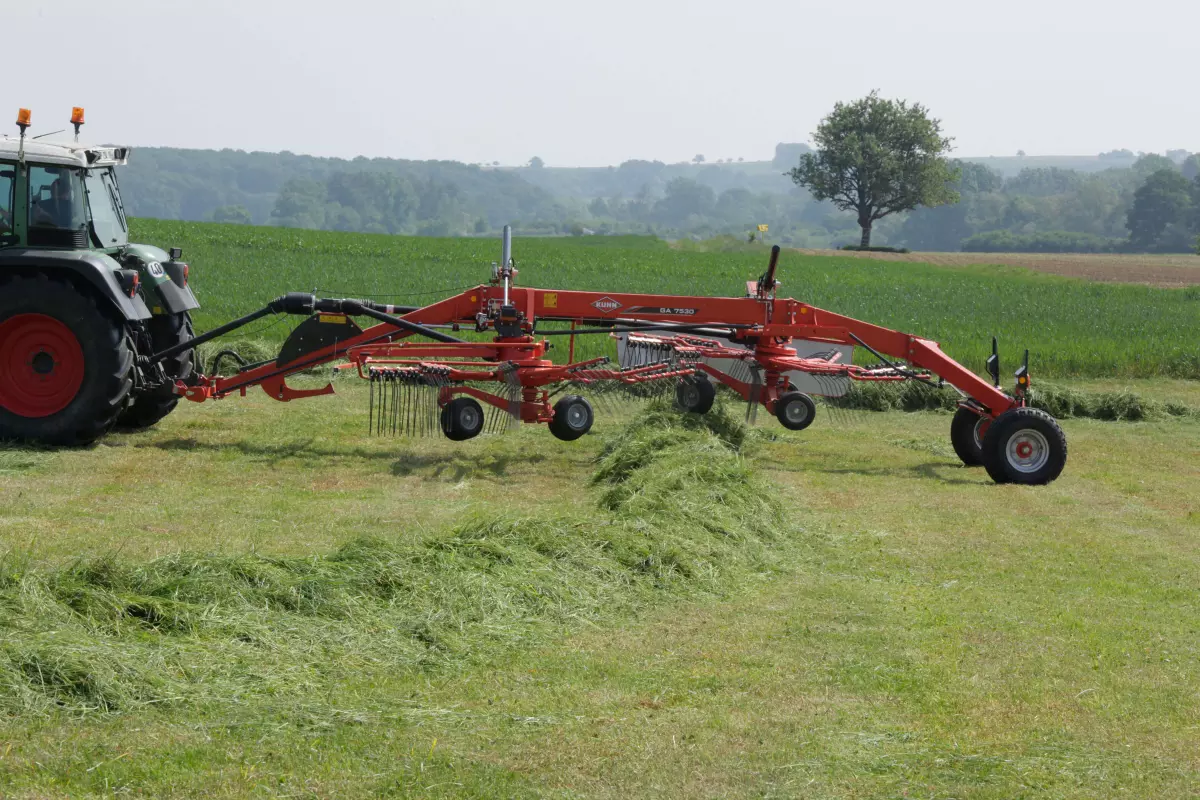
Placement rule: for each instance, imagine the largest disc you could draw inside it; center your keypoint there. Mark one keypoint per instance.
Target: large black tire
(1024, 445)
(795, 411)
(462, 419)
(150, 406)
(967, 430)
(573, 417)
(66, 366)
(695, 394)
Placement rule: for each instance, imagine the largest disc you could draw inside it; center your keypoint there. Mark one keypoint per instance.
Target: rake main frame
(758, 330)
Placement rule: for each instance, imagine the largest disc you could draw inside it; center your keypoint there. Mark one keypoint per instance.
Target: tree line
(1116, 201)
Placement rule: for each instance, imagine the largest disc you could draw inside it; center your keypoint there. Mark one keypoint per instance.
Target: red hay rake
(773, 352)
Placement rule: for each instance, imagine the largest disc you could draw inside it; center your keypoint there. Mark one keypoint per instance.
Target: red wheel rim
(41, 365)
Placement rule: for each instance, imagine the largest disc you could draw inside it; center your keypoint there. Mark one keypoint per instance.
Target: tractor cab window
(57, 214)
(104, 202)
(8, 173)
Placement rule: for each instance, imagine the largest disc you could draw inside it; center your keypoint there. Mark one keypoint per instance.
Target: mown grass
(869, 619)
(108, 634)
(1072, 327)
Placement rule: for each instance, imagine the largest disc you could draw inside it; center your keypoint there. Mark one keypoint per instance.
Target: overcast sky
(600, 82)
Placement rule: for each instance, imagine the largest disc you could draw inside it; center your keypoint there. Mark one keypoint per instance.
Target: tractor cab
(61, 196)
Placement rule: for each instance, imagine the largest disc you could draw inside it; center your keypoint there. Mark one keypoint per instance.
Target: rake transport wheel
(462, 419)
(573, 418)
(795, 411)
(695, 394)
(967, 430)
(65, 366)
(1024, 445)
(152, 405)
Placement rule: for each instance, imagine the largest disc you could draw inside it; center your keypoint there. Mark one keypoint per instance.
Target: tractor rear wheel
(66, 367)
(967, 430)
(152, 405)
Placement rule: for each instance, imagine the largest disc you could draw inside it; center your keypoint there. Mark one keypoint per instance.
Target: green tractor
(81, 308)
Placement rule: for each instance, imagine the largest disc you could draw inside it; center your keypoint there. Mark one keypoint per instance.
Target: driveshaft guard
(314, 334)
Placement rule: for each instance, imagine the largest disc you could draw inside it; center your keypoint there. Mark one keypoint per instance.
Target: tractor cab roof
(70, 155)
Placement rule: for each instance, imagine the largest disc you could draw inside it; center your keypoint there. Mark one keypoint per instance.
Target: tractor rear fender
(163, 281)
(86, 269)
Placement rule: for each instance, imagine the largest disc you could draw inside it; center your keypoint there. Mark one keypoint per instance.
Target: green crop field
(257, 598)
(1073, 328)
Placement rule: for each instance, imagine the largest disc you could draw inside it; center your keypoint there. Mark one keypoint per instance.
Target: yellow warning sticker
(336, 319)
(550, 300)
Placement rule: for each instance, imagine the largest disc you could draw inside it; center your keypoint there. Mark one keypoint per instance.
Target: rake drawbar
(773, 352)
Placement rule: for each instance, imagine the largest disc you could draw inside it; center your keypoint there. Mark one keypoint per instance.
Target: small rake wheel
(462, 419)
(695, 394)
(573, 418)
(795, 411)
(967, 430)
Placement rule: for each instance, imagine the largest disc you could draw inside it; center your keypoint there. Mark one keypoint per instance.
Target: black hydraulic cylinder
(303, 303)
(210, 335)
(357, 308)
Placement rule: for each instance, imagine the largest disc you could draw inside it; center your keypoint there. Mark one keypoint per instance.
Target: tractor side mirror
(8, 173)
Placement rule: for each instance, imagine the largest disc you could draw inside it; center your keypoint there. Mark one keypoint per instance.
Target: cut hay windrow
(1059, 401)
(681, 513)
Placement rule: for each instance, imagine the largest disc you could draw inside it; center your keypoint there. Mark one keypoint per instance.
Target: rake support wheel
(573, 417)
(462, 419)
(1026, 446)
(66, 367)
(795, 411)
(695, 394)
(967, 430)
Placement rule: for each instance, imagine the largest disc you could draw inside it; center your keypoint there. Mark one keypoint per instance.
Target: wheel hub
(577, 416)
(1028, 451)
(468, 418)
(41, 365)
(796, 412)
(981, 429)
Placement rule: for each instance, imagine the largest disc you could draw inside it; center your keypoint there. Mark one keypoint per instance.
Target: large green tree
(876, 157)
(1160, 215)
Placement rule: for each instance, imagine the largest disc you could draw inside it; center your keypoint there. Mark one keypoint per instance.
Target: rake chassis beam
(757, 330)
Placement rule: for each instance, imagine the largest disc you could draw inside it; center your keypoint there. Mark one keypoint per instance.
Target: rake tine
(370, 402)
(755, 392)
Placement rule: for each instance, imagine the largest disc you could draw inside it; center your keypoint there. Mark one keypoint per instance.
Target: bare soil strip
(1164, 271)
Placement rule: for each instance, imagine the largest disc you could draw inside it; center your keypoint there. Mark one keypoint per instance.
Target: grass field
(1073, 328)
(257, 598)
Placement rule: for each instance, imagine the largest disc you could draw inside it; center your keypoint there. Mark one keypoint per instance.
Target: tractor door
(8, 220)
